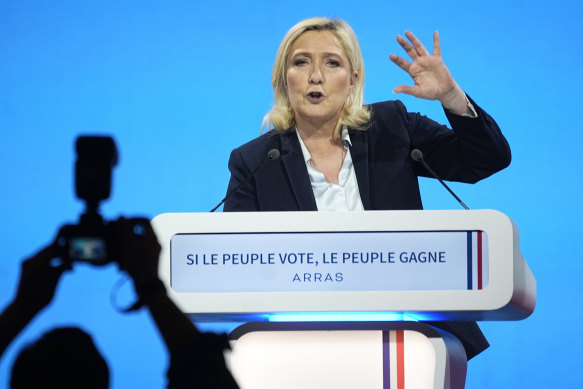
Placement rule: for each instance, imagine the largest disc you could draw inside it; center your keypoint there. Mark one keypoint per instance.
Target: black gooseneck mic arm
(417, 156)
(272, 155)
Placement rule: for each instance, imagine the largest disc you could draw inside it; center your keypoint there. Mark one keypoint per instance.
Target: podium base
(383, 355)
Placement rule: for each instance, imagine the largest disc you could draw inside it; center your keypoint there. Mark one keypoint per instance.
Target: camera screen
(88, 249)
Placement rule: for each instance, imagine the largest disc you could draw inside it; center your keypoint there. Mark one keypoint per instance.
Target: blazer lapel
(295, 166)
(359, 153)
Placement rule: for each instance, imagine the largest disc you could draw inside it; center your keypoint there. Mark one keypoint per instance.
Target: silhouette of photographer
(68, 358)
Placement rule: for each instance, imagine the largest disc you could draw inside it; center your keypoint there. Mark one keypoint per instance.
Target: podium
(335, 299)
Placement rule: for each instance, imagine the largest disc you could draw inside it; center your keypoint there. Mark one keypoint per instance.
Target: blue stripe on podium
(386, 360)
(469, 245)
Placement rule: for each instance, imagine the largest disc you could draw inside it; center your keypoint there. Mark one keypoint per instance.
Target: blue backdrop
(180, 84)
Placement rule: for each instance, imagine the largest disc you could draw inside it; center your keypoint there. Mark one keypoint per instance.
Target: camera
(92, 240)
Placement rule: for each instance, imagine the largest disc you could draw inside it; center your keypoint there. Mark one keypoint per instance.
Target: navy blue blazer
(386, 174)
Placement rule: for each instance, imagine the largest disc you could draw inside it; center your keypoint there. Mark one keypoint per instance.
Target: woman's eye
(300, 62)
(333, 63)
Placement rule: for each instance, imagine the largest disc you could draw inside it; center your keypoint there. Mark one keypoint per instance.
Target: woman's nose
(316, 76)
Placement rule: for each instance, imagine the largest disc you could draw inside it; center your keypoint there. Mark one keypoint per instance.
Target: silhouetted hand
(139, 249)
(432, 79)
(39, 278)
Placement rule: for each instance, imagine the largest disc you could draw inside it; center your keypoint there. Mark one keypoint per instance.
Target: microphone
(272, 155)
(417, 156)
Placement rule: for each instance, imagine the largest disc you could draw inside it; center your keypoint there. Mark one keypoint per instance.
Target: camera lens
(139, 229)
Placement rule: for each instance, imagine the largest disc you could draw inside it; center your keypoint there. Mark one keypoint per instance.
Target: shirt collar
(346, 142)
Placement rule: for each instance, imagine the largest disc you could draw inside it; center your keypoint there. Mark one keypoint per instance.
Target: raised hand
(138, 249)
(39, 278)
(432, 79)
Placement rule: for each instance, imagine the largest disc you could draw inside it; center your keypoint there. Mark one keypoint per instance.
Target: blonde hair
(354, 114)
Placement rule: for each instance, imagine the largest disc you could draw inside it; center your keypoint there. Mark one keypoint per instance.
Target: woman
(337, 154)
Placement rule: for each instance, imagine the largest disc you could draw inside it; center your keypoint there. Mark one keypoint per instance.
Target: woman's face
(318, 78)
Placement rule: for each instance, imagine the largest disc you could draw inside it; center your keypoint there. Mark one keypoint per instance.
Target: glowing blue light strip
(339, 316)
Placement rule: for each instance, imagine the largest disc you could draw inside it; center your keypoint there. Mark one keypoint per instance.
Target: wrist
(26, 307)
(17, 315)
(455, 101)
(149, 290)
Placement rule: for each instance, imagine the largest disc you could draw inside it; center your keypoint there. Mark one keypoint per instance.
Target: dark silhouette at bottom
(68, 358)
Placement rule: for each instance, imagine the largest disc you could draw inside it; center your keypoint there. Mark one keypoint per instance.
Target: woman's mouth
(315, 97)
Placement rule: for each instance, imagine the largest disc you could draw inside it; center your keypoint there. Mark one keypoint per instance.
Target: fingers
(407, 47)
(46, 259)
(139, 248)
(400, 62)
(407, 89)
(135, 232)
(39, 278)
(421, 50)
(415, 48)
(436, 44)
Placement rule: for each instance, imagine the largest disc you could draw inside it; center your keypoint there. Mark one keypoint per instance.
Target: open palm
(432, 80)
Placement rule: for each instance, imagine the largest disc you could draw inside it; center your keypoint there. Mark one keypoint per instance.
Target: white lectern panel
(328, 261)
(431, 264)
